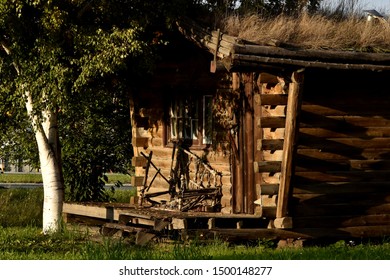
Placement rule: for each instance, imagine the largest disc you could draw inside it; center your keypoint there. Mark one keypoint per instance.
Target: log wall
(342, 174)
(178, 73)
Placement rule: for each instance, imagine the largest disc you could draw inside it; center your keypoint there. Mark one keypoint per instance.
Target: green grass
(21, 207)
(37, 178)
(21, 239)
(20, 178)
(28, 243)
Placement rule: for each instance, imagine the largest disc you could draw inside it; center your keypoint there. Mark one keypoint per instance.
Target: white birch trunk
(46, 134)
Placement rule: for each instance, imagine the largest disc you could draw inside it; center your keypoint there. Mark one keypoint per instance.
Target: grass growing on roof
(313, 31)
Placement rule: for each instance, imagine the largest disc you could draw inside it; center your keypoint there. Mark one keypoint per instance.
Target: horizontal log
(352, 109)
(343, 144)
(105, 212)
(271, 122)
(248, 62)
(268, 211)
(347, 123)
(269, 189)
(342, 221)
(349, 96)
(137, 181)
(341, 176)
(315, 55)
(110, 229)
(283, 222)
(358, 198)
(361, 154)
(225, 37)
(139, 161)
(207, 39)
(305, 164)
(140, 141)
(318, 164)
(222, 51)
(267, 166)
(365, 133)
(303, 210)
(232, 235)
(273, 99)
(270, 144)
(276, 55)
(342, 188)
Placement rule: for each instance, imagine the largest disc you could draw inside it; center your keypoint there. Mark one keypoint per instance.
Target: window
(207, 132)
(190, 119)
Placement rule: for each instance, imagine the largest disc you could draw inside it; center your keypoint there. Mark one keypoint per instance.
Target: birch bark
(46, 134)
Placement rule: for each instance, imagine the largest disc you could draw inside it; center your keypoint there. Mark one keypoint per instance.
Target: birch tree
(54, 50)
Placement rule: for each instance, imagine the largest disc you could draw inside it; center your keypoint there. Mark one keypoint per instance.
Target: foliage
(103, 124)
(224, 8)
(79, 59)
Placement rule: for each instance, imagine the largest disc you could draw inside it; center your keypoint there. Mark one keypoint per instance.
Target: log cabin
(283, 141)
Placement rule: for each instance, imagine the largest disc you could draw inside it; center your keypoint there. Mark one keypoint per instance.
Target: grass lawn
(37, 178)
(21, 239)
(27, 243)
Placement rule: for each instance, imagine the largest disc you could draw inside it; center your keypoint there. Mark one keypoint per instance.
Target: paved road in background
(19, 186)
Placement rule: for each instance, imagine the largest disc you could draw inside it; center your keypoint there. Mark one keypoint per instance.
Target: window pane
(173, 109)
(195, 129)
(187, 128)
(186, 119)
(173, 128)
(179, 128)
(207, 119)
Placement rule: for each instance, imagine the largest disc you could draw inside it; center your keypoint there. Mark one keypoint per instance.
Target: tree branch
(8, 52)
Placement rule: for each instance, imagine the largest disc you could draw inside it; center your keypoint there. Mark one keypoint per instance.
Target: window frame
(201, 140)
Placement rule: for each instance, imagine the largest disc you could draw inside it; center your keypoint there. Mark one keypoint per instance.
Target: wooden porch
(152, 223)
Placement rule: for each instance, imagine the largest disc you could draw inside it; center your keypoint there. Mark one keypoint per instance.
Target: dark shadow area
(342, 172)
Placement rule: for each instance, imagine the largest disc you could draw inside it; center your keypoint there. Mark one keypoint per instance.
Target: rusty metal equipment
(193, 185)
